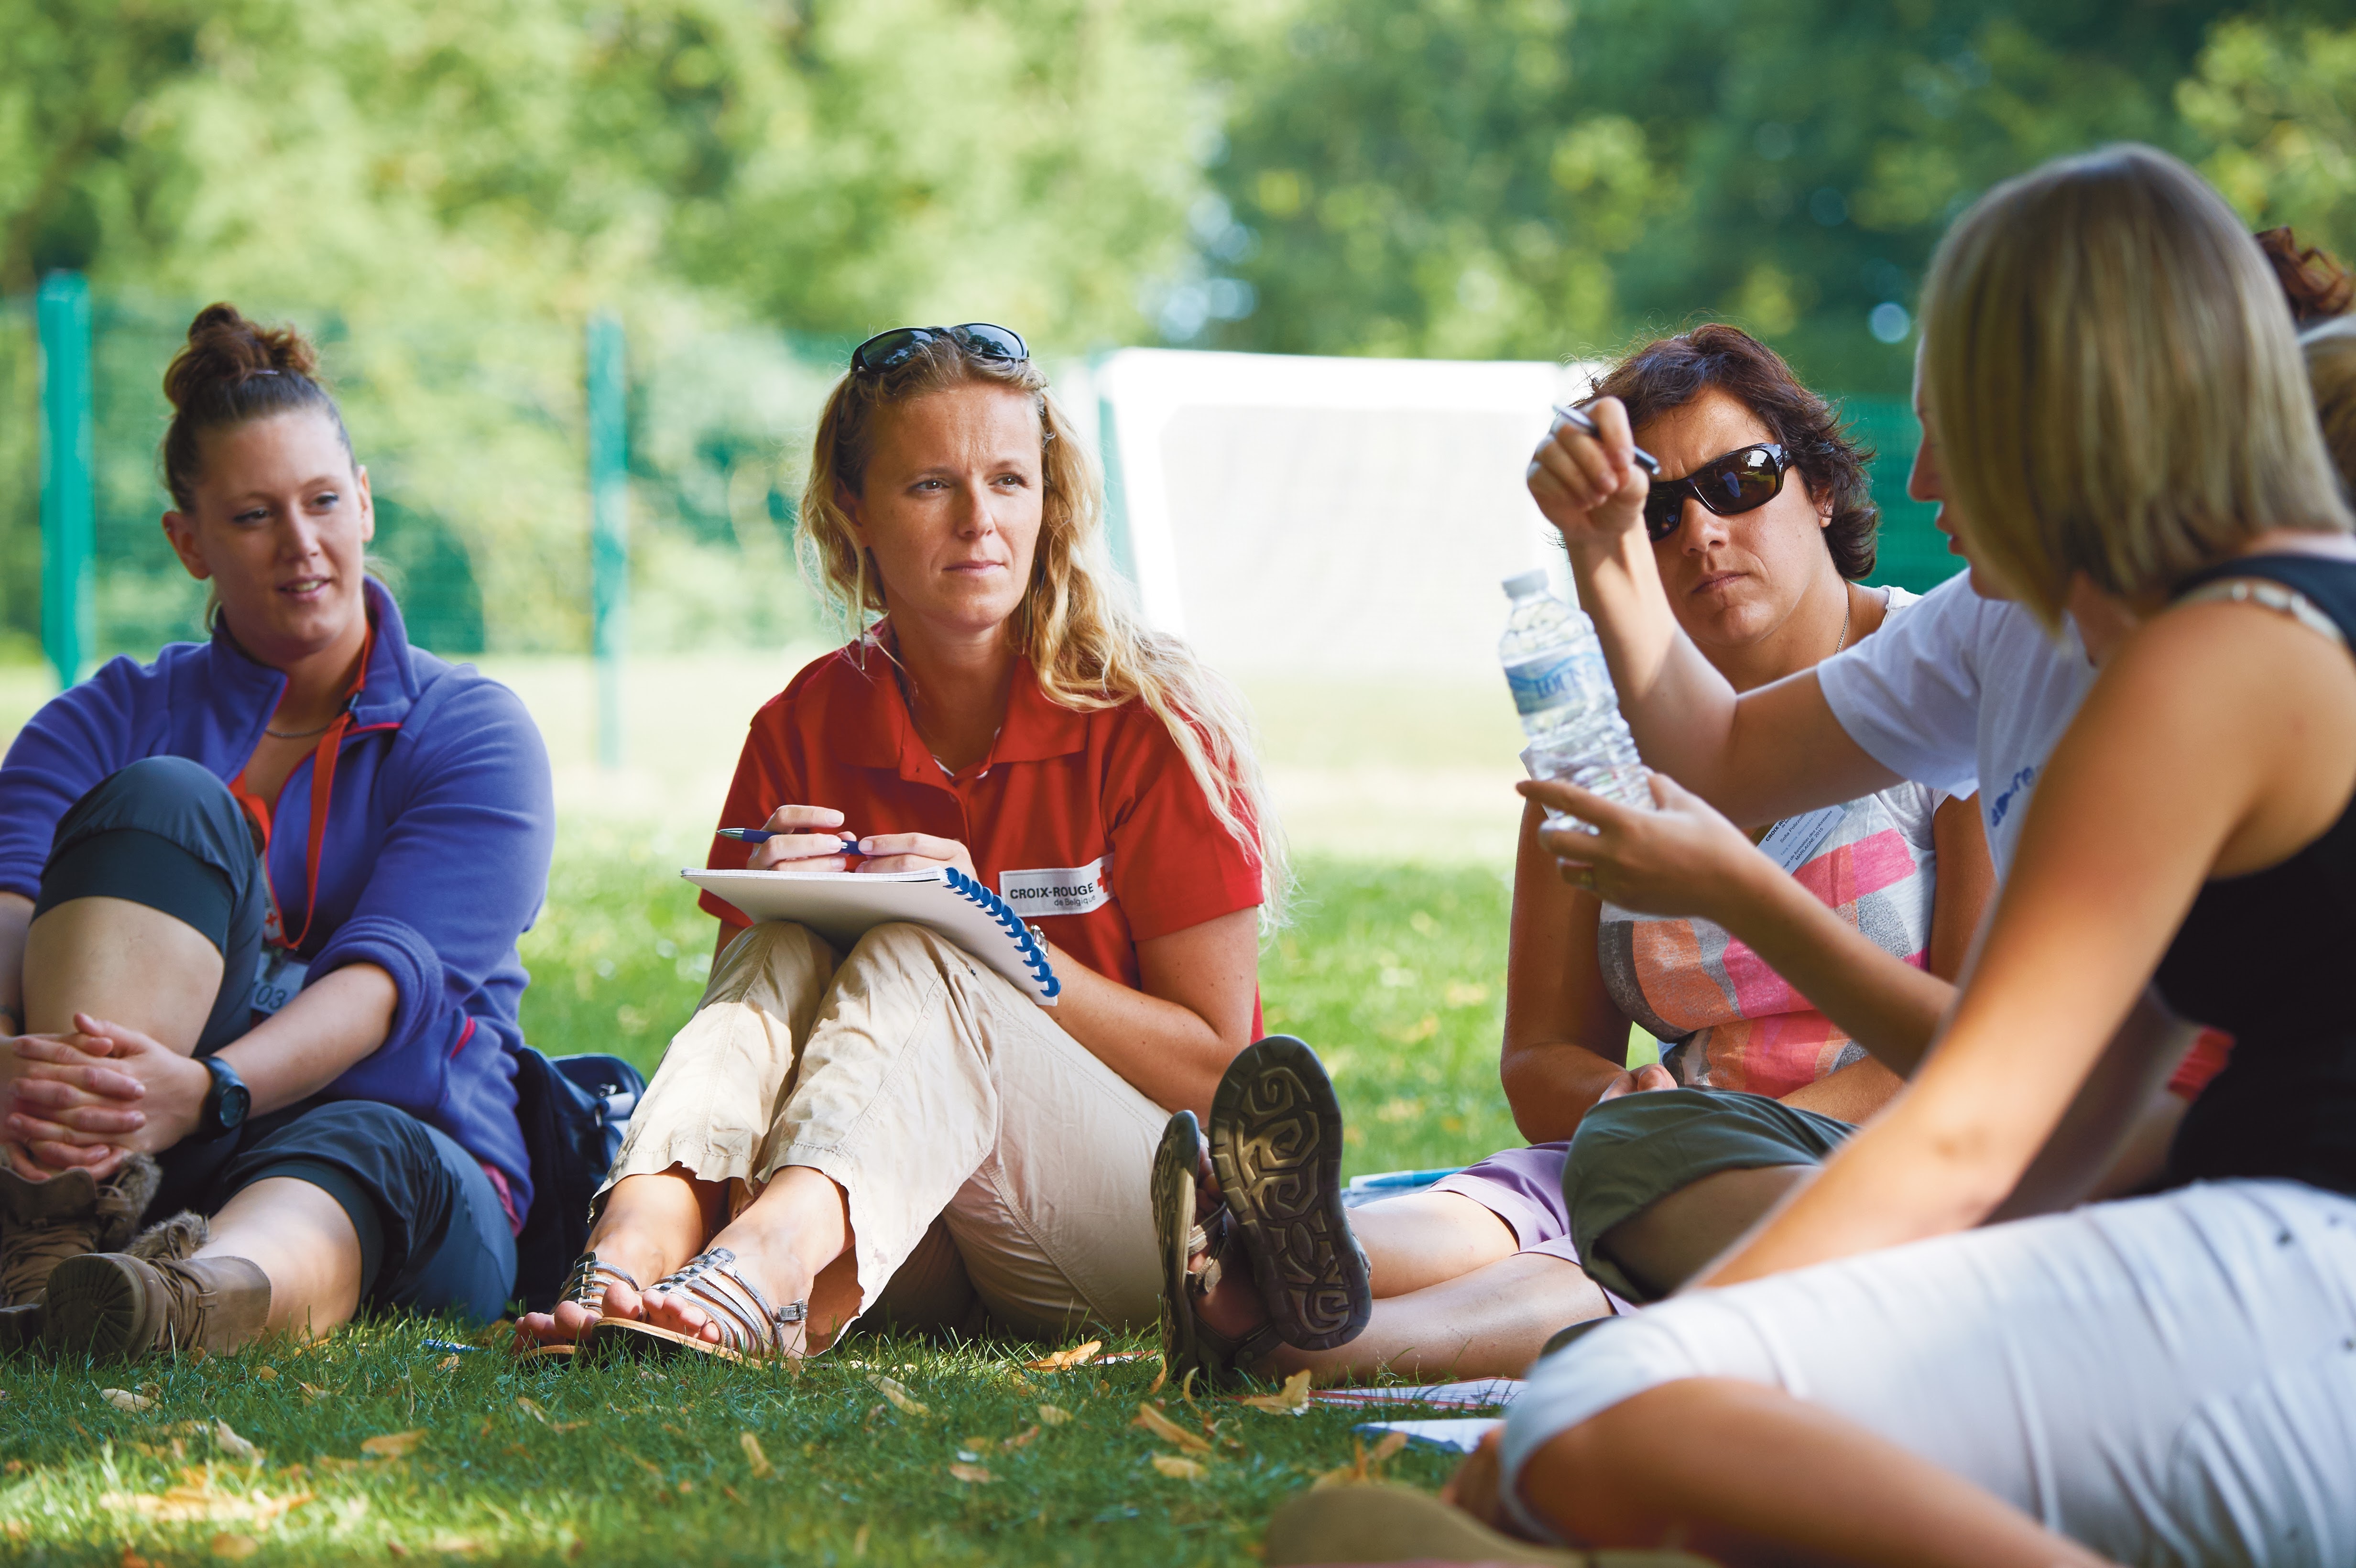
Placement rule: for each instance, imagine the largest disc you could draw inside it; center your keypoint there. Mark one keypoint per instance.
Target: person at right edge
(2118, 426)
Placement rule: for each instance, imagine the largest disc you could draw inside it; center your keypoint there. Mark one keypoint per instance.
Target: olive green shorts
(1633, 1151)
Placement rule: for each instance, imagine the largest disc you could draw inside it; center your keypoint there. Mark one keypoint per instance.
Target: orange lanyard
(323, 791)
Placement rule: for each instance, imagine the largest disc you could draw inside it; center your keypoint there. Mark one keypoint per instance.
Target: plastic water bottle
(1562, 689)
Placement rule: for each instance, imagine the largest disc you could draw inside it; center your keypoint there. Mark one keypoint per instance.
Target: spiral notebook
(841, 905)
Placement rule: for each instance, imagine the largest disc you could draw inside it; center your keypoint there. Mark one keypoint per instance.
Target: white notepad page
(842, 905)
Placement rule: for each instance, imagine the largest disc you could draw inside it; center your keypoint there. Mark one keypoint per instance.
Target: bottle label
(1540, 684)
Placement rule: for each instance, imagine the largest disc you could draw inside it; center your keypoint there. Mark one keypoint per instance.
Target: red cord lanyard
(323, 791)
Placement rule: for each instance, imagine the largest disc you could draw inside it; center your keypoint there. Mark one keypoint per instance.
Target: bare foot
(767, 1267)
(650, 1225)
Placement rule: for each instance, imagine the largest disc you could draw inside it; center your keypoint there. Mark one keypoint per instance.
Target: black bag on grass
(572, 1109)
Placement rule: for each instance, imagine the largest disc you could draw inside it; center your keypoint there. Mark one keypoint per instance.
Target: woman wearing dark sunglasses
(832, 1123)
(1759, 526)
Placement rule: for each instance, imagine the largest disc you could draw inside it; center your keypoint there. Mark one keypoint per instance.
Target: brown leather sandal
(1183, 1233)
(585, 1288)
(750, 1329)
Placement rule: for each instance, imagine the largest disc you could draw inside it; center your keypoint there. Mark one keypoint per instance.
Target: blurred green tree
(1525, 179)
(2276, 101)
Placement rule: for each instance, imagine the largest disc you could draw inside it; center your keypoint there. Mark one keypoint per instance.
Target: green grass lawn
(1394, 974)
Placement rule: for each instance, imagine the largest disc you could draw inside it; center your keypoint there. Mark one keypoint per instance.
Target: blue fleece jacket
(435, 860)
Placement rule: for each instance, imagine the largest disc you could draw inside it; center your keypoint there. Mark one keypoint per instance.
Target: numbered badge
(276, 979)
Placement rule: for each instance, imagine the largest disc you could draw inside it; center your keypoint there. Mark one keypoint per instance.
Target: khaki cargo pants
(985, 1152)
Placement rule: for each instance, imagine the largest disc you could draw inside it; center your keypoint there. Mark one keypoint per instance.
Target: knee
(773, 943)
(171, 783)
(1594, 1482)
(901, 948)
(172, 798)
(361, 1124)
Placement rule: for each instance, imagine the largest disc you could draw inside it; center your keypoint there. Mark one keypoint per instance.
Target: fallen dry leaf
(1366, 1467)
(235, 1546)
(753, 1455)
(980, 1445)
(392, 1445)
(197, 1502)
(1169, 1431)
(1177, 1468)
(124, 1399)
(1078, 1356)
(453, 1546)
(1291, 1400)
(529, 1408)
(858, 1543)
(1020, 1438)
(1160, 1376)
(446, 1362)
(901, 1398)
(235, 1446)
(973, 1475)
(1053, 1415)
(267, 1374)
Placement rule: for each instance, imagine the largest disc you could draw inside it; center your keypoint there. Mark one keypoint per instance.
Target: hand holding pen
(810, 838)
(798, 838)
(1588, 475)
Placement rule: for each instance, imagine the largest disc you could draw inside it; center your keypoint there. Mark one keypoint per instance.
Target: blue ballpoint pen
(1577, 419)
(763, 835)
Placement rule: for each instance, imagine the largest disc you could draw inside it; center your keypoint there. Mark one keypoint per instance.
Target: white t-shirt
(1962, 688)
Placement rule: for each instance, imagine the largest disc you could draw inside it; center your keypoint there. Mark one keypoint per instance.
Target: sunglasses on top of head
(1740, 481)
(888, 351)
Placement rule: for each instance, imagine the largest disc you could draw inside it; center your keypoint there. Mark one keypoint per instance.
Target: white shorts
(2167, 1379)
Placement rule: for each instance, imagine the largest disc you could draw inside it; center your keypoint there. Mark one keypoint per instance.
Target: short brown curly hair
(1668, 373)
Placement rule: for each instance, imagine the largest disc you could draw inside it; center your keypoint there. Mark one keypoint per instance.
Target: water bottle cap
(1524, 583)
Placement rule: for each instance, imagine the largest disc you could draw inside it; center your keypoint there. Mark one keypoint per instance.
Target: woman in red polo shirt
(832, 1123)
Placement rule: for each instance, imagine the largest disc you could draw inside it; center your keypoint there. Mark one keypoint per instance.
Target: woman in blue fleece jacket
(259, 905)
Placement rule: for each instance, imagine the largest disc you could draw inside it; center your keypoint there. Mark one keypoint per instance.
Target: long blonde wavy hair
(1078, 622)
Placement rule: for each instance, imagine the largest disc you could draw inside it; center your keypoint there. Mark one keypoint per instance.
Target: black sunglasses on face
(1740, 481)
(890, 350)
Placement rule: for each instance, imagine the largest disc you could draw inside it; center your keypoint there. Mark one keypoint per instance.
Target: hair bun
(2313, 280)
(226, 350)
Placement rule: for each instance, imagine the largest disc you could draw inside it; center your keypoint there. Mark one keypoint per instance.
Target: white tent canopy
(1328, 518)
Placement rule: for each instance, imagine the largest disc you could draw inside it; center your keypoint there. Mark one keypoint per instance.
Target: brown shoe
(111, 1304)
(42, 1224)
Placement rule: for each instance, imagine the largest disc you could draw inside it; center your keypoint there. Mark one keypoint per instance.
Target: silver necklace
(1849, 607)
(305, 734)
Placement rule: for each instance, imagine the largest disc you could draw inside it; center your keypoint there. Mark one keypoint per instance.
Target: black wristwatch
(226, 1103)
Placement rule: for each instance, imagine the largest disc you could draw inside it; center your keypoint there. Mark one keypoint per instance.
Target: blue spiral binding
(999, 911)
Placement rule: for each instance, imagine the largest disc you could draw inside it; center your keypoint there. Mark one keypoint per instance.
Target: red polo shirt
(1089, 824)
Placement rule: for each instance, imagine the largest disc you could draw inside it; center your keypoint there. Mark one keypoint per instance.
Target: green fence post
(68, 594)
(609, 529)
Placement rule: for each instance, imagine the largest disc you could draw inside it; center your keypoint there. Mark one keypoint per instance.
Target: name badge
(1792, 843)
(1060, 890)
(276, 979)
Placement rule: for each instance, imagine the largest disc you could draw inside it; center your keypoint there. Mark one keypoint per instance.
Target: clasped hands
(811, 841)
(90, 1098)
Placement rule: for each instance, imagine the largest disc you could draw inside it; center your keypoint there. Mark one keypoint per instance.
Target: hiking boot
(20, 1328)
(42, 1224)
(111, 1304)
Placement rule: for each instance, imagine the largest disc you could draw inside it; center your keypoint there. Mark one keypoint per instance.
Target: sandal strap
(1225, 1355)
(746, 1320)
(585, 1285)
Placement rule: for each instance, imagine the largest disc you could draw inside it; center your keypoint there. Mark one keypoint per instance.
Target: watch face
(234, 1100)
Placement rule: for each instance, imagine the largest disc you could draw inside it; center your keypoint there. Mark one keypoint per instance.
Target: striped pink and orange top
(1724, 1019)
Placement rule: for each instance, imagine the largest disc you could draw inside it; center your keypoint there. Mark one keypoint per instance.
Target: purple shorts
(1523, 1187)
